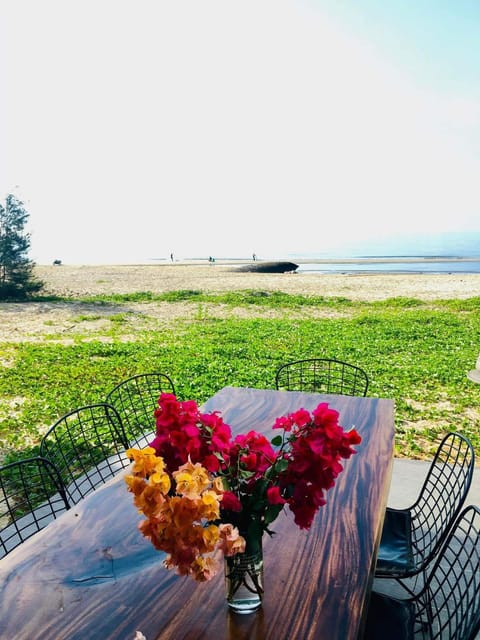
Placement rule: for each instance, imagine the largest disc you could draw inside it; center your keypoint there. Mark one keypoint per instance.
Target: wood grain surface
(91, 575)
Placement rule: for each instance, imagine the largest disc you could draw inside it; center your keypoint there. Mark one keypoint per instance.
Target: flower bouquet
(203, 492)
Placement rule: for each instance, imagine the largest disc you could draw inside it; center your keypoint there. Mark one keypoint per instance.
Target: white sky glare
(132, 129)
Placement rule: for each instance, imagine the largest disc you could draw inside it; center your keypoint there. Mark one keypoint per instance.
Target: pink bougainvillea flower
(231, 502)
(198, 489)
(255, 452)
(274, 496)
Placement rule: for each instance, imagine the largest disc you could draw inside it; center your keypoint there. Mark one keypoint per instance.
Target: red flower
(250, 461)
(314, 446)
(184, 433)
(255, 451)
(299, 473)
(284, 422)
(211, 463)
(230, 502)
(304, 515)
(274, 496)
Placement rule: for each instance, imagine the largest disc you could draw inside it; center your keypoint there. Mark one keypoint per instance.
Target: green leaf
(281, 465)
(272, 512)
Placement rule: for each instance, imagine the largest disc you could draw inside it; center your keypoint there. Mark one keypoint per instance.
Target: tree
(16, 270)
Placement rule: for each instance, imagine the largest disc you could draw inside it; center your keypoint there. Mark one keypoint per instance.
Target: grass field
(415, 352)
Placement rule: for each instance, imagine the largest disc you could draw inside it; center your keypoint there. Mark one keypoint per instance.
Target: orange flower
(135, 484)
(181, 524)
(161, 481)
(204, 568)
(145, 462)
(231, 542)
(149, 502)
(209, 507)
(210, 536)
(191, 479)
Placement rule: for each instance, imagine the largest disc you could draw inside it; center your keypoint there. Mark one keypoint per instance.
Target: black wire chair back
(136, 399)
(448, 606)
(322, 375)
(31, 495)
(87, 446)
(418, 531)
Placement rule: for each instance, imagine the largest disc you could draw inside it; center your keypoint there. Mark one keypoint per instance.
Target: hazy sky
(132, 129)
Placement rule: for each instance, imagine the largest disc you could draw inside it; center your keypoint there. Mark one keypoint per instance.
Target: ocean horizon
(452, 252)
(390, 265)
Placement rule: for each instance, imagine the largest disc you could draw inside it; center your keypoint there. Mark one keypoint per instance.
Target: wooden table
(90, 575)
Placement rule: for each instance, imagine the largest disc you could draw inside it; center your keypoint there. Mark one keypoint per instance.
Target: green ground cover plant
(416, 353)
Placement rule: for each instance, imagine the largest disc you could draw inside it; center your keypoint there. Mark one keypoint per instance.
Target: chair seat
(389, 618)
(395, 552)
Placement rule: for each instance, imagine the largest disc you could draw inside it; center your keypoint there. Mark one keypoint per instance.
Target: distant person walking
(254, 256)
(171, 257)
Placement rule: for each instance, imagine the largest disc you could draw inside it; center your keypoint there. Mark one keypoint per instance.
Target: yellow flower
(191, 479)
(211, 536)
(161, 481)
(186, 485)
(218, 485)
(145, 461)
(210, 506)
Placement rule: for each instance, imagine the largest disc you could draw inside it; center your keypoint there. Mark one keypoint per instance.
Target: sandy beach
(32, 321)
(224, 276)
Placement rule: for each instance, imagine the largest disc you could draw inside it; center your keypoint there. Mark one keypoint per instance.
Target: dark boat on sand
(269, 267)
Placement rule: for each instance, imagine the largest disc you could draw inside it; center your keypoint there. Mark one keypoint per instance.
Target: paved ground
(407, 480)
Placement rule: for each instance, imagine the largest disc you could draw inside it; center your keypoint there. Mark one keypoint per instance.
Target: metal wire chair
(87, 446)
(411, 537)
(448, 607)
(322, 375)
(31, 495)
(136, 399)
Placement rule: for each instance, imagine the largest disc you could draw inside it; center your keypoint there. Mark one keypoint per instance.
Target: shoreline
(91, 280)
(164, 262)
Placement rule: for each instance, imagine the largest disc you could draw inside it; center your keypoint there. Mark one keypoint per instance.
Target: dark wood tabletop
(90, 575)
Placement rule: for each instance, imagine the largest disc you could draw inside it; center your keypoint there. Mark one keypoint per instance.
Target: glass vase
(244, 577)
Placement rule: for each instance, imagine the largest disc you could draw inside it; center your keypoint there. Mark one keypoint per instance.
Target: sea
(448, 253)
(416, 264)
(435, 253)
